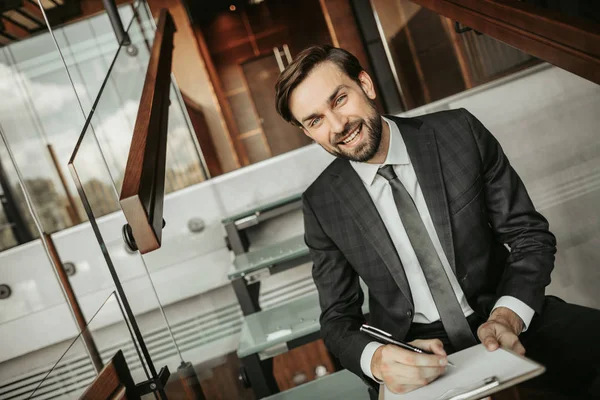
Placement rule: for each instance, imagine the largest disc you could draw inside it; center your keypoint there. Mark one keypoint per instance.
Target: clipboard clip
(472, 391)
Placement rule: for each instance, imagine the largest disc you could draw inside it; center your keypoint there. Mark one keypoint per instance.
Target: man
(432, 217)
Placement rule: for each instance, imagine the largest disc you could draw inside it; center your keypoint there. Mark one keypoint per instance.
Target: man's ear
(367, 85)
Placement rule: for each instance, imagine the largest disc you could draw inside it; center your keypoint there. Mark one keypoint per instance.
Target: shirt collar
(397, 154)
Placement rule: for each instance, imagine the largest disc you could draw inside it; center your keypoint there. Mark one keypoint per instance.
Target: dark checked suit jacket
(478, 204)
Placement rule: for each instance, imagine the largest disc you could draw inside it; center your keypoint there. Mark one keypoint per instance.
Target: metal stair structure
(20, 19)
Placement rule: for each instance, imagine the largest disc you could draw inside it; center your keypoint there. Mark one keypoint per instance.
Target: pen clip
(372, 328)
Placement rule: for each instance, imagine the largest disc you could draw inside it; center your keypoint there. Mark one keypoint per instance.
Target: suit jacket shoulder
(322, 185)
(443, 122)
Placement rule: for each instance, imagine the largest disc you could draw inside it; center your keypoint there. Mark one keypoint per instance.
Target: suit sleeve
(515, 222)
(340, 296)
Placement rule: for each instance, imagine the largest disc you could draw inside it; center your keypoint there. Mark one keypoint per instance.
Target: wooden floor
(299, 365)
(291, 369)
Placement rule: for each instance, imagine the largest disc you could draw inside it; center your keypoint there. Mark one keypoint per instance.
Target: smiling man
(425, 210)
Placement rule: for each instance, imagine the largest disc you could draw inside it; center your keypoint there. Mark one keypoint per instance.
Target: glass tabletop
(340, 385)
(281, 324)
(267, 256)
(263, 208)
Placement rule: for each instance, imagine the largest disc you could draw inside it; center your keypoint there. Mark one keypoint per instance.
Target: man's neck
(384, 145)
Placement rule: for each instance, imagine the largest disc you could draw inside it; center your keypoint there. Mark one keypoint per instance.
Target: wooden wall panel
(567, 42)
(434, 51)
(196, 78)
(344, 30)
(241, 44)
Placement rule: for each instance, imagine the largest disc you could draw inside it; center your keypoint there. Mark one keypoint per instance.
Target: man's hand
(502, 329)
(403, 370)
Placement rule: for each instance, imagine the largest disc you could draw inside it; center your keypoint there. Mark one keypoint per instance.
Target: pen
(387, 338)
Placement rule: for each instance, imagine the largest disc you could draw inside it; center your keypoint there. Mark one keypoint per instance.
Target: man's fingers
(511, 341)
(487, 335)
(413, 375)
(403, 356)
(434, 345)
(404, 370)
(491, 343)
(398, 388)
(403, 384)
(494, 335)
(403, 375)
(519, 348)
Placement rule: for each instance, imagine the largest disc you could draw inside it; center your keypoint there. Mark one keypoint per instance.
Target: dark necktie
(451, 313)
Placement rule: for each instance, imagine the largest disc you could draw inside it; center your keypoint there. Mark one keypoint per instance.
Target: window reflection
(431, 60)
(41, 115)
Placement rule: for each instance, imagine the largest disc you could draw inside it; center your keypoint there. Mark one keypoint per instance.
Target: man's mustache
(347, 129)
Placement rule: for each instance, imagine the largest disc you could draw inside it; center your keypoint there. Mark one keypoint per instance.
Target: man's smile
(352, 137)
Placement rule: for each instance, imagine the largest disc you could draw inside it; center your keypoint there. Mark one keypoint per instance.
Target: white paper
(472, 365)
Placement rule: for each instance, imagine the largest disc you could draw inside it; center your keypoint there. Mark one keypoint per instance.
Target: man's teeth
(352, 137)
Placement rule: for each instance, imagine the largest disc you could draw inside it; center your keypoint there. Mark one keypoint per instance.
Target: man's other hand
(502, 329)
(403, 370)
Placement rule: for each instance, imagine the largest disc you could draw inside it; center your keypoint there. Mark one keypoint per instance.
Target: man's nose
(337, 122)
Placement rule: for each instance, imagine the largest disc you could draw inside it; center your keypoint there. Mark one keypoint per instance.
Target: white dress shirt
(381, 192)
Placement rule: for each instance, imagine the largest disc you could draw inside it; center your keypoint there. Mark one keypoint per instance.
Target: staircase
(20, 19)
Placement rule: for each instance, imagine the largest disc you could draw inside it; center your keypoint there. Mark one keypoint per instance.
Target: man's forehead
(315, 89)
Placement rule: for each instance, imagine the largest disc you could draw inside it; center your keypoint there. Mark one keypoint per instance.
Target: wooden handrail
(114, 382)
(142, 193)
(571, 43)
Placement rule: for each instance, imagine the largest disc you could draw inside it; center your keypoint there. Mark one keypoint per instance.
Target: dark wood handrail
(571, 43)
(114, 382)
(142, 193)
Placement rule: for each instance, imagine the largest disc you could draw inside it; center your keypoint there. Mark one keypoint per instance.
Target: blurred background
(70, 94)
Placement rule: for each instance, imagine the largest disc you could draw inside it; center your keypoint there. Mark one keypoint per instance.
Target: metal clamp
(248, 221)
(257, 275)
(70, 268)
(128, 237)
(5, 291)
(273, 351)
(154, 385)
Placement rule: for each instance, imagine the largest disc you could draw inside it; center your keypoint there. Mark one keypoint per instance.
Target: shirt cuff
(518, 307)
(366, 357)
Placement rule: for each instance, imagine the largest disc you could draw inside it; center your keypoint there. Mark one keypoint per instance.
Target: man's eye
(315, 121)
(340, 99)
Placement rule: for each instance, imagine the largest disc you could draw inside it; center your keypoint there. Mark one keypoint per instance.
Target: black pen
(387, 338)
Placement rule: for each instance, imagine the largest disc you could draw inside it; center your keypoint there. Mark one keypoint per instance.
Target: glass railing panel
(35, 281)
(87, 45)
(107, 333)
(40, 120)
(165, 289)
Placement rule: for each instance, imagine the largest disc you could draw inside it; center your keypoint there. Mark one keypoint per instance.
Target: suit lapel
(352, 194)
(422, 149)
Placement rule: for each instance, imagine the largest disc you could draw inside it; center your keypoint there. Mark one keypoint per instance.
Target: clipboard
(478, 373)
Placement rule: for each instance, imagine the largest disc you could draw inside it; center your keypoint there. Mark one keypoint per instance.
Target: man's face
(338, 113)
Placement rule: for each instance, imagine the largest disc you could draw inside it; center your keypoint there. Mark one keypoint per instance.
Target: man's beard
(372, 130)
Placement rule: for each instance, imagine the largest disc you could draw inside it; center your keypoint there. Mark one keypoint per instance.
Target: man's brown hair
(302, 65)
